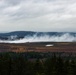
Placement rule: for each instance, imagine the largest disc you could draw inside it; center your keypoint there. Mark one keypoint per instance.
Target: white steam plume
(46, 38)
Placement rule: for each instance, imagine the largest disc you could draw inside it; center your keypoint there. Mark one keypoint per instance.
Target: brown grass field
(39, 47)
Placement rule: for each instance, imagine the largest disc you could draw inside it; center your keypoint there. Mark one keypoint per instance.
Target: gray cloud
(38, 15)
(13, 2)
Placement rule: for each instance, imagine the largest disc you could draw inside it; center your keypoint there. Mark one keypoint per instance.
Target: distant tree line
(20, 64)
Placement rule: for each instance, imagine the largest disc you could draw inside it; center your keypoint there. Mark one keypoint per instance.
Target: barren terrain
(39, 47)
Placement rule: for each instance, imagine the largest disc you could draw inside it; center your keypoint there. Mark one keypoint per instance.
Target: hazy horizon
(37, 31)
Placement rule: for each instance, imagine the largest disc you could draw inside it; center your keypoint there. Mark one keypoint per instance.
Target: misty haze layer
(41, 37)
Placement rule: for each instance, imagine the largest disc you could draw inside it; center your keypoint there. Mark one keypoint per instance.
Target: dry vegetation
(39, 47)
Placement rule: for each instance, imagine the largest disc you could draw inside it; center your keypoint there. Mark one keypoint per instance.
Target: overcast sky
(38, 15)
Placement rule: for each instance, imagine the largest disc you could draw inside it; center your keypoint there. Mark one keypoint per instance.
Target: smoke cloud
(45, 38)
